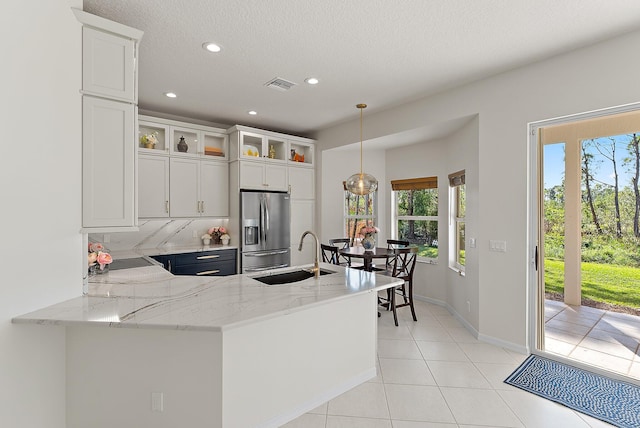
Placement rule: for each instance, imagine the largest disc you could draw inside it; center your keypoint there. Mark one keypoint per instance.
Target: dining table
(368, 256)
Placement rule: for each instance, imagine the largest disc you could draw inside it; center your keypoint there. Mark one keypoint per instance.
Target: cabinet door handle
(208, 272)
(208, 257)
(202, 209)
(166, 206)
(169, 265)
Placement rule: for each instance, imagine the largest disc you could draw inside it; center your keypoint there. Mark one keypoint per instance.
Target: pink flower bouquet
(216, 232)
(97, 256)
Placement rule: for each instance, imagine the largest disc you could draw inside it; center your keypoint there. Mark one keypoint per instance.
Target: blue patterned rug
(606, 399)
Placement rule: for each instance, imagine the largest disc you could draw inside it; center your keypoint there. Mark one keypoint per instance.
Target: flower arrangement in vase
(149, 141)
(368, 234)
(98, 259)
(214, 234)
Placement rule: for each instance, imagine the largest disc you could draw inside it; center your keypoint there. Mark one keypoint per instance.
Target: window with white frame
(457, 192)
(359, 211)
(414, 214)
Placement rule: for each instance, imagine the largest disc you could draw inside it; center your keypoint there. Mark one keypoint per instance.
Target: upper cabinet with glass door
(257, 144)
(301, 153)
(158, 135)
(153, 137)
(253, 146)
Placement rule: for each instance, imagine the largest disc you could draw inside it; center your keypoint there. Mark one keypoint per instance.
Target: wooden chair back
(341, 243)
(329, 254)
(404, 262)
(393, 244)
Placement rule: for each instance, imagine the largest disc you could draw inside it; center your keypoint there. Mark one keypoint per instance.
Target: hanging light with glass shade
(361, 183)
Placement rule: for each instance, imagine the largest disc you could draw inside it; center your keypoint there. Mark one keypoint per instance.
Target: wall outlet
(106, 238)
(472, 242)
(194, 233)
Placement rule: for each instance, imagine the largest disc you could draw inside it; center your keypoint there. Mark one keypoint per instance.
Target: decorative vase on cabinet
(182, 145)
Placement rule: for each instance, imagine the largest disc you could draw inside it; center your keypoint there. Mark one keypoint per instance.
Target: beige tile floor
(605, 339)
(434, 374)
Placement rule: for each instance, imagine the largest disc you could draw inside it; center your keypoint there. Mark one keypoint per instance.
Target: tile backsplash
(162, 233)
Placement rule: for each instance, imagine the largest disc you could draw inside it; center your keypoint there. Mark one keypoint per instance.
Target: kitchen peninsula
(146, 348)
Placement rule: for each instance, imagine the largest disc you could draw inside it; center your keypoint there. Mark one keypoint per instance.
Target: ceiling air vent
(279, 84)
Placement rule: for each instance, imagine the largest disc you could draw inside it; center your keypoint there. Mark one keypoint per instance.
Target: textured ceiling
(380, 52)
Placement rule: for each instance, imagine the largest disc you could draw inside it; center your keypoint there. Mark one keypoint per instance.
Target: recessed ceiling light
(170, 94)
(311, 80)
(252, 112)
(211, 47)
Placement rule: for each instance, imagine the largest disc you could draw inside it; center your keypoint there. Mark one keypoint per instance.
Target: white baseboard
(481, 337)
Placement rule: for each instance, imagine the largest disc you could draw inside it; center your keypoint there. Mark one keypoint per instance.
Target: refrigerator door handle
(267, 221)
(261, 223)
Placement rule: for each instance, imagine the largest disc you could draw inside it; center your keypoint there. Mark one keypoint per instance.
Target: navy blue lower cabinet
(201, 263)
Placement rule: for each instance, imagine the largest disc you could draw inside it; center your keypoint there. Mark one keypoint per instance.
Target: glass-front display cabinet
(153, 137)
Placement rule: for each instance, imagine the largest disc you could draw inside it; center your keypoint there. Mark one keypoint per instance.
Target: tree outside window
(415, 214)
(359, 211)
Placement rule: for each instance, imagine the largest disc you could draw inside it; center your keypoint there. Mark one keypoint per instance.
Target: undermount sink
(288, 277)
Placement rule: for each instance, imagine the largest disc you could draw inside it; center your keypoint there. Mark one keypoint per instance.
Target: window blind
(415, 183)
(457, 178)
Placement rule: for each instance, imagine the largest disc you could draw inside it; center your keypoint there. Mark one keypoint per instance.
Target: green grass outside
(425, 251)
(618, 285)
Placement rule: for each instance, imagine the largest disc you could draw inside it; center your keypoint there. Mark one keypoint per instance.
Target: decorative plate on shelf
(249, 150)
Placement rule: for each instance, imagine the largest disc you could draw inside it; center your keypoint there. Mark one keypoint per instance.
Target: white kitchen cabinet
(262, 176)
(108, 163)
(153, 186)
(109, 97)
(197, 179)
(264, 155)
(256, 146)
(301, 152)
(214, 189)
(161, 133)
(198, 188)
(202, 142)
(198, 143)
(302, 219)
(183, 187)
(108, 63)
(301, 183)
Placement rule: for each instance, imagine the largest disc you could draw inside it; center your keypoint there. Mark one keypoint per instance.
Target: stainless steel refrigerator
(265, 223)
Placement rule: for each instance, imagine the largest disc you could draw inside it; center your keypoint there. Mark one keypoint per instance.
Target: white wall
(583, 80)
(459, 151)
(41, 247)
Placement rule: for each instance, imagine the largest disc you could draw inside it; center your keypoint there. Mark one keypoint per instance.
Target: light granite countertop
(151, 297)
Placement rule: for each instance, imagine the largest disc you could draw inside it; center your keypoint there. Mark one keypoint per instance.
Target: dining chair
(329, 254)
(403, 267)
(343, 243)
(393, 244)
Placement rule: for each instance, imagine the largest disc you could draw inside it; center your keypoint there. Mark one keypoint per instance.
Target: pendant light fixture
(361, 183)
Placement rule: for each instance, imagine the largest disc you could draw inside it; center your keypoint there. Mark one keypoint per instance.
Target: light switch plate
(157, 401)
